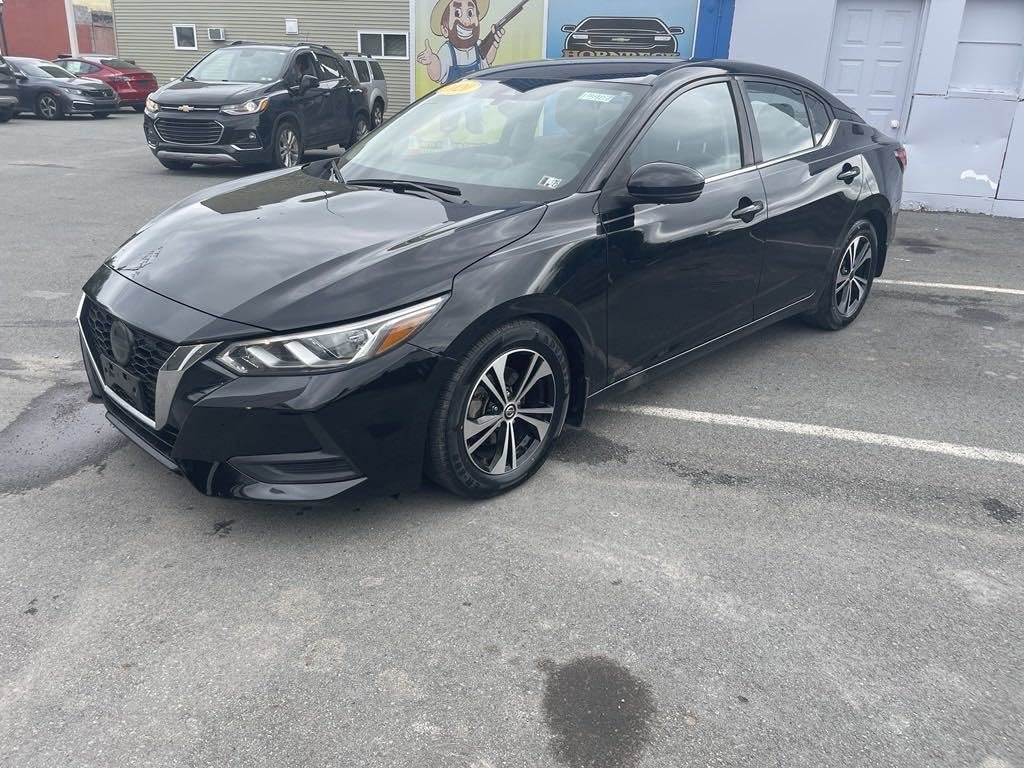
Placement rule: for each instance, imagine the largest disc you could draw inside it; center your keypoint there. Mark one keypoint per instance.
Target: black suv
(256, 104)
(8, 91)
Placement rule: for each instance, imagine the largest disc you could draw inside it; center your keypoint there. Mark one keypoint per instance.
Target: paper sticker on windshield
(549, 182)
(604, 98)
(463, 86)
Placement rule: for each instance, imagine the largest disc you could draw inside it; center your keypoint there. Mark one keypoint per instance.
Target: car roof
(652, 70)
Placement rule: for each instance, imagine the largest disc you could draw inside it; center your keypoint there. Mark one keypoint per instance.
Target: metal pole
(3, 32)
(69, 11)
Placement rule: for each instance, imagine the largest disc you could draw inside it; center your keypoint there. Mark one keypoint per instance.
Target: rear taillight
(901, 156)
(120, 79)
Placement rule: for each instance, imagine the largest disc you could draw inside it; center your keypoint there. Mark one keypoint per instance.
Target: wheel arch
(878, 212)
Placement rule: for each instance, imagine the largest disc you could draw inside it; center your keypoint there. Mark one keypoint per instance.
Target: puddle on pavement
(599, 714)
(58, 434)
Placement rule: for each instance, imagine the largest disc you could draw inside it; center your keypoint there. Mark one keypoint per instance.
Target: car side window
(304, 64)
(330, 67)
(781, 118)
(378, 73)
(85, 68)
(819, 116)
(74, 67)
(362, 71)
(697, 129)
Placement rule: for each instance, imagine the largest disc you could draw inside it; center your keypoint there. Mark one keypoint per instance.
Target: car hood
(82, 82)
(207, 94)
(293, 249)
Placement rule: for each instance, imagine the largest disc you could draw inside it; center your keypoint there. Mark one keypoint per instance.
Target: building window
(384, 45)
(990, 52)
(185, 37)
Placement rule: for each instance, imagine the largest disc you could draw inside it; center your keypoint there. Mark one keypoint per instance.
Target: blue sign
(596, 28)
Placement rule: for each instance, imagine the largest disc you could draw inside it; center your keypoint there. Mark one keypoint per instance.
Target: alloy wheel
(854, 276)
(48, 107)
(510, 411)
(378, 115)
(361, 129)
(288, 148)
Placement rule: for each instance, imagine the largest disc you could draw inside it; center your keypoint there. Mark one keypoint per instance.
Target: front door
(312, 104)
(682, 274)
(871, 58)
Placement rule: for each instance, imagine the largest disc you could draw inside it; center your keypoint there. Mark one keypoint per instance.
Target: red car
(131, 84)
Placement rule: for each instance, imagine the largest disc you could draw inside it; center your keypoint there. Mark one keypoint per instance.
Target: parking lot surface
(806, 549)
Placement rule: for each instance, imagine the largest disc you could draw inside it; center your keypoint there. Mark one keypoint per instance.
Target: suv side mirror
(308, 82)
(568, 27)
(665, 183)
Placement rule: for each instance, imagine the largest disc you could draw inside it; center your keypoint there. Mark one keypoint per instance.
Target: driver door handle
(746, 212)
(848, 174)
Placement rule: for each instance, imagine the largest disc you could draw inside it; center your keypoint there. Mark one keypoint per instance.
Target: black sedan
(54, 93)
(444, 297)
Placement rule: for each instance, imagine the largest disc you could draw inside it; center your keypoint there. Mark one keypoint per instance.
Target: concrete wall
(966, 150)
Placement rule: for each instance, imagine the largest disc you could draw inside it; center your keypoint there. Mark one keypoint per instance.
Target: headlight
(248, 108)
(74, 91)
(329, 348)
(151, 106)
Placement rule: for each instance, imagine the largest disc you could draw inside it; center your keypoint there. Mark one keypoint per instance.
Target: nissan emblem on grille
(122, 342)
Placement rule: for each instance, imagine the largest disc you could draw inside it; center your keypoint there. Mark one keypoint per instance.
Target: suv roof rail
(289, 44)
(358, 53)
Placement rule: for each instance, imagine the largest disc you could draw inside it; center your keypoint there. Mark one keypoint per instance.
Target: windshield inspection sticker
(549, 182)
(604, 98)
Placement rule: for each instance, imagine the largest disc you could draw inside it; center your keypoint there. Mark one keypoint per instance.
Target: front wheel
(849, 281)
(287, 146)
(500, 412)
(48, 107)
(359, 129)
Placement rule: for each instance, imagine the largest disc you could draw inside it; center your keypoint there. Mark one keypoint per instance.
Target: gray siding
(144, 30)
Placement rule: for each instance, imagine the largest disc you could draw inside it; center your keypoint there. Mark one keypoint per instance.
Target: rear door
(339, 109)
(813, 176)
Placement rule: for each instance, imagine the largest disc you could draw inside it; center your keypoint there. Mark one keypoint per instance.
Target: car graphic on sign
(620, 36)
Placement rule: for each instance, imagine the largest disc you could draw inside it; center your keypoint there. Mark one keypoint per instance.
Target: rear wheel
(287, 146)
(500, 412)
(377, 117)
(48, 107)
(850, 278)
(359, 129)
(176, 165)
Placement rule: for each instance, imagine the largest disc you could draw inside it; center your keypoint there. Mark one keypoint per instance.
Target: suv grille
(189, 131)
(149, 356)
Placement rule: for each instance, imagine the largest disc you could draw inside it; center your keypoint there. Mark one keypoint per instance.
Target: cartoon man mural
(463, 52)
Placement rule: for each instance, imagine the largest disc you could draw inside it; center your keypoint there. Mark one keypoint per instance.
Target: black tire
(48, 107)
(294, 151)
(360, 127)
(100, 115)
(140, 108)
(377, 115)
(449, 462)
(176, 165)
(836, 308)
(6, 115)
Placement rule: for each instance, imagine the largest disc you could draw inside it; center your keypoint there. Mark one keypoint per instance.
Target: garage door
(871, 58)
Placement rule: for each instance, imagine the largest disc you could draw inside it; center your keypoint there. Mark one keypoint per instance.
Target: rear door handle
(748, 209)
(849, 174)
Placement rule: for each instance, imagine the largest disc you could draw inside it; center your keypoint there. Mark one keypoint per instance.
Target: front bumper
(236, 140)
(272, 438)
(73, 103)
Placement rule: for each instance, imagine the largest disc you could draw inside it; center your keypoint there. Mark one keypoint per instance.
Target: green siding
(144, 30)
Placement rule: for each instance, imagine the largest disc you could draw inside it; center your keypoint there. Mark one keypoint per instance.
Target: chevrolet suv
(8, 92)
(256, 104)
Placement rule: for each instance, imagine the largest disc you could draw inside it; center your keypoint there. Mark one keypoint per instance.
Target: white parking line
(953, 286)
(831, 433)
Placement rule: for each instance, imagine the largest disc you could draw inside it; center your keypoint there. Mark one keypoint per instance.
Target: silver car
(371, 81)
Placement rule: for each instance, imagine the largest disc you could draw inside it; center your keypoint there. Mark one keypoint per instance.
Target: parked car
(612, 35)
(371, 81)
(8, 91)
(445, 298)
(256, 104)
(131, 83)
(54, 93)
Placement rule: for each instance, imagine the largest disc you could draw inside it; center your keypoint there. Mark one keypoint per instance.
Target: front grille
(149, 355)
(190, 131)
(162, 440)
(98, 93)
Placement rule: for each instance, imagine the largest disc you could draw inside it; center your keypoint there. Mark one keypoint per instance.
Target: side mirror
(308, 82)
(20, 77)
(568, 27)
(676, 30)
(665, 183)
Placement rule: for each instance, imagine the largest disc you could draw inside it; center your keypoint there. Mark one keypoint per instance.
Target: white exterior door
(874, 43)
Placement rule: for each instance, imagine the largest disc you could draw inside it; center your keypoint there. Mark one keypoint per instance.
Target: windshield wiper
(442, 192)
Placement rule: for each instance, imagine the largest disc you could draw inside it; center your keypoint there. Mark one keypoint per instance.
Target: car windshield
(40, 69)
(241, 65)
(621, 25)
(500, 142)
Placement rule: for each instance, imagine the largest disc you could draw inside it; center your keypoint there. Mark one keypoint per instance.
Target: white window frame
(174, 37)
(382, 32)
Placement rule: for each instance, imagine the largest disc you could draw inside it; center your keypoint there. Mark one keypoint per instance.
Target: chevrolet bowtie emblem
(620, 39)
(185, 108)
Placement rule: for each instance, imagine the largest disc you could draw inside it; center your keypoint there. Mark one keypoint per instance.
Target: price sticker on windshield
(549, 182)
(602, 98)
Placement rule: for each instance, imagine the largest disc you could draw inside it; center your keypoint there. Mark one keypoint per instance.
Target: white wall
(789, 34)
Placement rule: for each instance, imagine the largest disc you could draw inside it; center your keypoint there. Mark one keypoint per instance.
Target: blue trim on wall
(714, 29)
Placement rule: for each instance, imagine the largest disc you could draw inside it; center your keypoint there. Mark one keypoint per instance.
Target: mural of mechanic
(463, 52)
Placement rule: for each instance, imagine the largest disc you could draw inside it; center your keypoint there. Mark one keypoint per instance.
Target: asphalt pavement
(804, 550)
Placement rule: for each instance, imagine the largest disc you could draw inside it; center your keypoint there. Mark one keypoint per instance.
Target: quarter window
(781, 117)
(697, 129)
(819, 117)
(185, 37)
(330, 66)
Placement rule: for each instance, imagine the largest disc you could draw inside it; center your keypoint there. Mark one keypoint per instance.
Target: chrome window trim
(167, 379)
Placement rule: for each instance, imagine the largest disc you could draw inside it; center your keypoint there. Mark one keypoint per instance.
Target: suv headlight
(151, 106)
(248, 108)
(329, 348)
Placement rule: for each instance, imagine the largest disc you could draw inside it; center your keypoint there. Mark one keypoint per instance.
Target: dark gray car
(54, 93)
(8, 91)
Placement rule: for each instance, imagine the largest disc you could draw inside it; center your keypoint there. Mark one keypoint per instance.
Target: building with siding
(39, 28)
(168, 38)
